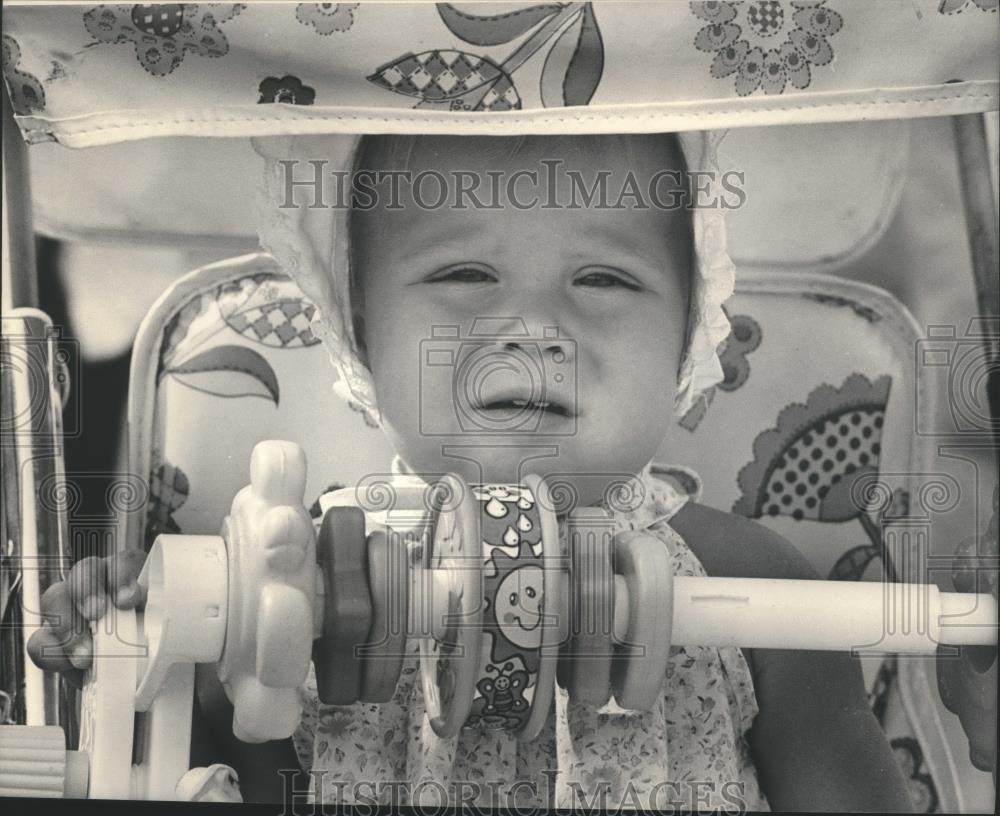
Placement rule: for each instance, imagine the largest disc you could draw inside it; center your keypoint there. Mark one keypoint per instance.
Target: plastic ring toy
(348, 614)
(640, 664)
(585, 664)
(388, 582)
(520, 635)
(449, 664)
(553, 614)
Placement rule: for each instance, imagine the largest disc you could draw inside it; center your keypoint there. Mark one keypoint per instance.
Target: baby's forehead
(615, 154)
(495, 194)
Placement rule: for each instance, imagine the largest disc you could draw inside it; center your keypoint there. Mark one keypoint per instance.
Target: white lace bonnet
(311, 245)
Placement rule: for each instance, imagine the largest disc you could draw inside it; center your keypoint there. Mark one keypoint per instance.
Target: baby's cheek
(393, 356)
(641, 393)
(404, 400)
(645, 365)
(397, 391)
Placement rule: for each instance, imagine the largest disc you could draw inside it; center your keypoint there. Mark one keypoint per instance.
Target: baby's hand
(63, 643)
(968, 683)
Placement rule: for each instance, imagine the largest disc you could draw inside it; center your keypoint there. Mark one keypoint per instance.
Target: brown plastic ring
(347, 605)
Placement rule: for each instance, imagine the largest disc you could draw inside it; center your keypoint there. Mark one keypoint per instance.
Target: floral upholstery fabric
(97, 74)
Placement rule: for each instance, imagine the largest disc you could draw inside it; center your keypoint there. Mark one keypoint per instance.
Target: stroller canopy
(91, 75)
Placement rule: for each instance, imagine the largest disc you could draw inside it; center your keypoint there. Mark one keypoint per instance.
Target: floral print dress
(689, 751)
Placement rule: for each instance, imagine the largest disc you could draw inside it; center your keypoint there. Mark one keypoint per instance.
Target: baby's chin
(585, 476)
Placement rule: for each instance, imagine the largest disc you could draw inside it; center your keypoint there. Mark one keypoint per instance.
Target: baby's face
(613, 283)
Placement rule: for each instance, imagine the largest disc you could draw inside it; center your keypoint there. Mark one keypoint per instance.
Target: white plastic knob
(34, 762)
(271, 551)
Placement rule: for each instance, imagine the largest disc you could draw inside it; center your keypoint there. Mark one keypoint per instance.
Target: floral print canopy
(87, 75)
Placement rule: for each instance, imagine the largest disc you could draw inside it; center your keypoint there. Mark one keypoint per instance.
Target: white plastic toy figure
(216, 783)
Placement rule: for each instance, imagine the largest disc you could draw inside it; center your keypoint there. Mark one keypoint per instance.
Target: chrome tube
(34, 387)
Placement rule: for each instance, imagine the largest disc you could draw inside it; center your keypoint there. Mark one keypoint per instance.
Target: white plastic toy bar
(501, 603)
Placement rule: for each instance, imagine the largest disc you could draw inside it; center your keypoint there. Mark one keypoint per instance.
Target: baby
(622, 297)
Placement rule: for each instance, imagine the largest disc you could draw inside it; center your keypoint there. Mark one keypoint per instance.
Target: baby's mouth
(516, 405)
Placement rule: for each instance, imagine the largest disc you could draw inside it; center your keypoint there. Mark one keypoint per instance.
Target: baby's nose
(516, 333)
(555, 349)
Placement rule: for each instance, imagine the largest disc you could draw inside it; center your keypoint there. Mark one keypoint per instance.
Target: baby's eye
(606, 279)
(462, 274)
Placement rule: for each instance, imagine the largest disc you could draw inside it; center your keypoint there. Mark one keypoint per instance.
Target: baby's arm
(815, 743)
